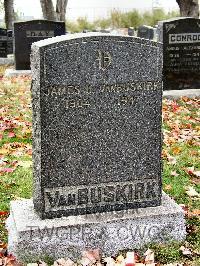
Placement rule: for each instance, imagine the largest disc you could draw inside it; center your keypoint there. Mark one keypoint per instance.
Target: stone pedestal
(176, 94)
(31, 238)
(17, 73)
(6, 61)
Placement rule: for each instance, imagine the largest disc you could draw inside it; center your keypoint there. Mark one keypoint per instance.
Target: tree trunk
(61, 7)
(48, 9)
(188, 8)
(9, 13)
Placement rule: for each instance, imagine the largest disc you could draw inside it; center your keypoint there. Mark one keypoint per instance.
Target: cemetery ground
(181, 168)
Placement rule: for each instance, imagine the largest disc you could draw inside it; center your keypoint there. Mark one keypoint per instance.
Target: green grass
(16, 151)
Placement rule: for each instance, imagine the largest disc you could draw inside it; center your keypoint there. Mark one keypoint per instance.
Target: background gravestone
(3, 43)
(97, 124)
(181, 54)
(145, 32)
(131, 31)
(25, 33)
(10, 42)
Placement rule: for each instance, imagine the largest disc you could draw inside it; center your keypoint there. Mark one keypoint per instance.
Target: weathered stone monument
(181, 53)
(145, 32)
(96, 150)
(3, 43)
(25, 33)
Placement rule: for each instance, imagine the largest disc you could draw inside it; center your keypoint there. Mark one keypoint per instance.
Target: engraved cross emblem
(104, 59)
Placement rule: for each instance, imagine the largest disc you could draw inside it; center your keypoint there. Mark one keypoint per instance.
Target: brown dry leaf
(195, 212)
(168, 187)
(176, 150)
(196, 181)
(10, 260)
(185, 209)
(194, 153)
(4, 151)
(191, 171)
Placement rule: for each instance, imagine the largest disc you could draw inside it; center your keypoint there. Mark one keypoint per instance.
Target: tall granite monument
(96, 149)
(181, 53)
(28, 32)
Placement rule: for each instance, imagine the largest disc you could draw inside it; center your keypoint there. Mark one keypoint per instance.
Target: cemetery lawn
(181, 167)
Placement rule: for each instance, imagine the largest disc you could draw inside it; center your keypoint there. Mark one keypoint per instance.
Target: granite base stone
(16, 73)
(176, 94)
(6, 61)
(31, 238)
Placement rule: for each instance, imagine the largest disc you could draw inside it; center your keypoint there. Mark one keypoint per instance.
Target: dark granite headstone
(96, 124)
(10, 42)
(181, 54)
(145, 32)
(3, 43)
(25, 33)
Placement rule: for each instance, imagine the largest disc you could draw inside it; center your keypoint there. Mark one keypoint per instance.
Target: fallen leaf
(185, 251)
(84, 262)
(195, 212)
(4, 213)
(168, 187)
(176, 150)
(196, 181)
(149, 257)
(11, 135)
(7, 170)
(25, 164)
(191, 192)
(109, 261)
(4, 151)
(171, 160)
(185, 209)
(192, 172)
(62, 262)
(92, 255)
(120, 259)
(174, 173)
